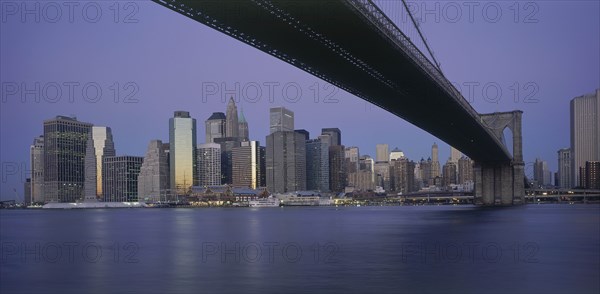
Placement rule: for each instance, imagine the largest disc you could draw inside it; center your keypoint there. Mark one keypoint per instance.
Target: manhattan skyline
(103, 53)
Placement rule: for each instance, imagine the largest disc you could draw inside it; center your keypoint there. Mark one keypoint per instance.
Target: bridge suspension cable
(408, 24)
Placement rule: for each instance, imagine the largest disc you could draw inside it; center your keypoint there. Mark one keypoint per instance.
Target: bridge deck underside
(333, 41)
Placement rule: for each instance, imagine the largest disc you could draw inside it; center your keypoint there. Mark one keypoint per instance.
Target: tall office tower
(243, 127)
(247, 167)
(227, 145)
(305, 133)
(418, 181)
(564, 168)
(317, 164)
(396, 154)
(232, 127)
(120, 178)
(335, 136)
(153, 180)
(65, 140)
(382, 153)
(540, 171)
(337, 168)
(592, 175)
(89, 184)
(585, 132)
(449, 174)
(215, 127)
(435, 162)
(367, 163)
(285, 162)
(182, 152)
(36, 155)
(382, 175)
(351, 155)
(263, 167)
(281, 119)
(426, 174)
(465, 170)
(455, 155)
(103, 146)
(410, 177)
(403, 175)
(27, 192)
(209, 164)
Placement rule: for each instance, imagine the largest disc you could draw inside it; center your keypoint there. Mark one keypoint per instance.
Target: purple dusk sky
(550, 46)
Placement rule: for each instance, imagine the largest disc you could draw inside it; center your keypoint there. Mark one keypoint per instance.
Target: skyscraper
(335, 136)
(36, 153)
(285, 162)
(243, 125)
(382, 175)
(281, 119)
(426, 174)
(592, 175)
(365, 179)
(232, 127)
(247, 167)
(382, 153)
(182, 152)
(215, 127)
(435, 162)
(120, 178)
(449, 174)
(585, 132)
(455, 155)
(564, 168)
(153, 180)
(317, 164)
(227, 146)
(396, 154)
(465, 170)
(540, 172)
(209, 164)
(352, 156)
(103, 146)
(337, 168)
(403, 172)
(65, 140)
(90, 187)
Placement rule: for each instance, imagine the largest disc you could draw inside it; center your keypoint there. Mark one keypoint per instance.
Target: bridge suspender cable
(437, 64)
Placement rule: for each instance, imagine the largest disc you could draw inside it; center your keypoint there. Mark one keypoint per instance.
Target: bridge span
(353, 45)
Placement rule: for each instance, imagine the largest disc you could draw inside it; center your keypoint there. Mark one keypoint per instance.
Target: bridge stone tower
(502, 183)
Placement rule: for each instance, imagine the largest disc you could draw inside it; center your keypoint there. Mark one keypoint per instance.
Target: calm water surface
(422, 249)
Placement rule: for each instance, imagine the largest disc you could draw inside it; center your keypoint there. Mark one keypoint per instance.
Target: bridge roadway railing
(373, 13)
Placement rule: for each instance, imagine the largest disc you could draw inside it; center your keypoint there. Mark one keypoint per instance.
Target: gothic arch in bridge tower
(502, 183)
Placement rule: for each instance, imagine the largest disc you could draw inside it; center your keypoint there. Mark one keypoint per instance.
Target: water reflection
(424, 249)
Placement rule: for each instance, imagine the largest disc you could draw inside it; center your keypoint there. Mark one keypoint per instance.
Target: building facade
(232, 127)
(153, 180)
(382, 153)
(285, 162)
(247, 168)
(317, 164)
(585, 132)
(65, 141)
(120, 178)
(564, 168)
(215, 127)
(182, 152)
(36, 160)
(244, 132)
(281, 119)
(103, 146)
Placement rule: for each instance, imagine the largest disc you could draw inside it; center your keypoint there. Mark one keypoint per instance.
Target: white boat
(264, 202)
